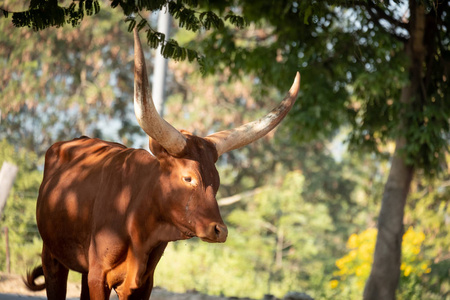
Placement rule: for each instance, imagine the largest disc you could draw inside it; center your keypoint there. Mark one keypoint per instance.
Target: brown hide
(108, 211)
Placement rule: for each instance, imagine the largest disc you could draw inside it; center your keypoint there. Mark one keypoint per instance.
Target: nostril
(217, 230)
(216, 233)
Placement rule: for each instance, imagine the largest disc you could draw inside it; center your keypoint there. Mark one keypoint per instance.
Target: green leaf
(307, 14)
(142, 24)
(237, 21)
(131, 25)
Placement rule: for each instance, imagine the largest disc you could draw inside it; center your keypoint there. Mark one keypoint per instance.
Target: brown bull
(108, 211)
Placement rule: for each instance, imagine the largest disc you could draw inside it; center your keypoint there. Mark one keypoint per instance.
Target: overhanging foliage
(43, 14)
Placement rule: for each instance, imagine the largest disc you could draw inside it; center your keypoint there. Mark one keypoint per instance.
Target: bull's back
(72, 177)
(83, 151)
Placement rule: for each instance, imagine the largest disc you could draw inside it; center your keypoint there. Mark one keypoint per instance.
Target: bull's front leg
(104, 253)
(143, 293)
(140, 265)
(136, 267)
(98, 287)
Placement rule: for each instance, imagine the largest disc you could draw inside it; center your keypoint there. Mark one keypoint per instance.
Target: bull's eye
(190, 180)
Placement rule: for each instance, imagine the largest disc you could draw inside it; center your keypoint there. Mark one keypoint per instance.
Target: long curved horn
(231, 139)
(156, 127)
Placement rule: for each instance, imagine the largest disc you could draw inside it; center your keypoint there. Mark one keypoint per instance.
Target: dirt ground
(13, 284)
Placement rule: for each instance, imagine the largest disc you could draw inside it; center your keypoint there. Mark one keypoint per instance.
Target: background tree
(358, 44)
(61, 83)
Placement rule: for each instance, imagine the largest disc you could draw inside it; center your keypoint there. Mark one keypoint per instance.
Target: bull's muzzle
(215, 233)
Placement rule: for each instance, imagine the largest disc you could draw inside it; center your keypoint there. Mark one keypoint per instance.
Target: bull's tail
(31, 277)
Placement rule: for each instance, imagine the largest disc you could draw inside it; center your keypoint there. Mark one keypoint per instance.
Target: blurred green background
(316, 183)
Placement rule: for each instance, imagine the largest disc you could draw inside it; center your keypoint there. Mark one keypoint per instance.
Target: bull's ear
(156, 148)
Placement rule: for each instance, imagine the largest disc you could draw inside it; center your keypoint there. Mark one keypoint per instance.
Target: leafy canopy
(354, 65)
(43, 14)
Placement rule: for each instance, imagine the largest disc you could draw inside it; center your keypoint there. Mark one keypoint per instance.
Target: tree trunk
(8, 174)
(385, 273)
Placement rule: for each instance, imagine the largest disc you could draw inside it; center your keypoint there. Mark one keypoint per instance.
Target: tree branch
(4, 12)
(238, 197)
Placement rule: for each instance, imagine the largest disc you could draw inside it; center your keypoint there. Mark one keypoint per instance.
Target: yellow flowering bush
(359, 259)
(412, 261)
(354, 267)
